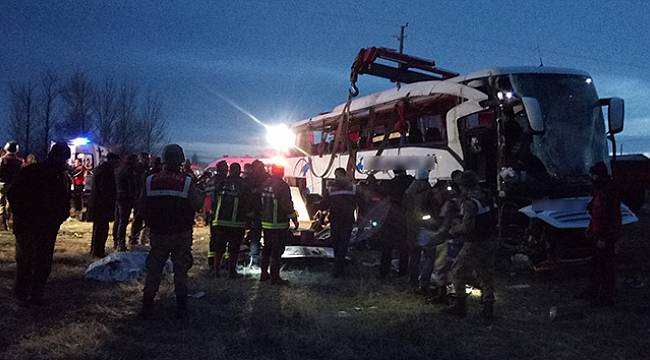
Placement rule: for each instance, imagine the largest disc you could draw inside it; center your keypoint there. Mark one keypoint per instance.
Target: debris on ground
(120, 267)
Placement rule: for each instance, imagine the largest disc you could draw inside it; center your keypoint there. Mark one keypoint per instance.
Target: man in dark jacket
(394, 229)
(605, 229)
(141, 170)
(341, 200)
(276, 211)
(255, 182)
(168, 204)
(128, 188)
(40, 196)
(221, 175)
(101, 205)
(230, 216)
(10, 165)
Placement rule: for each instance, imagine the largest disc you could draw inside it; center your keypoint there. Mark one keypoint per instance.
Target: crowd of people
(254, 206)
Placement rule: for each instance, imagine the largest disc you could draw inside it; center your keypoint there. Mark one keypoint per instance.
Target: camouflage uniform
(162, 245)
(475, 261)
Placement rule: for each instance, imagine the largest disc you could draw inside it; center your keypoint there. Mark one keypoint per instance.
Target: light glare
(80, 141)
(280, 137)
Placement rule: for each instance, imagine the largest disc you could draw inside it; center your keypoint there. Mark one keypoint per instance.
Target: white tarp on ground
(120, 267)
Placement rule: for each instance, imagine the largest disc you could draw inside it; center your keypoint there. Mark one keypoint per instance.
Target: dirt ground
(316, 317)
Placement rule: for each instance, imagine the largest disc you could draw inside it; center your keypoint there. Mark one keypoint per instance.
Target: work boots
(486, 313)
(458, 306)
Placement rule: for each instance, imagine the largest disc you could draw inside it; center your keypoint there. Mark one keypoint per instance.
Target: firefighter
(40, 195)
(168, 204)
(128, 188)
(141, 169)
(221, 175)
(255, 181)
(341, 201)
(101, 205)
(230, 210)
(605, 229)
(476, 259)
(277, 210)
(394, 229)
(10, 165)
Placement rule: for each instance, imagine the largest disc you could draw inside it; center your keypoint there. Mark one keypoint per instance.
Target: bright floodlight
(80, 141)
(588, 80)
(280, 137)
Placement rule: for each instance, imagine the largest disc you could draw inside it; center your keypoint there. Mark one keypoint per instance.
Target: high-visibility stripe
(169, 192)
(352, 191)
(216, 212)
(275, 211)
(233, 218)
(211, 253)
(273, 226)
(228, 223)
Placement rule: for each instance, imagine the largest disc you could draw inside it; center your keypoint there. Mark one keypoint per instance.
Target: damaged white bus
(530, 133)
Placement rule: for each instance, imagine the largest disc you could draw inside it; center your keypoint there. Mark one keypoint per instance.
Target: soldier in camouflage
(475, 261)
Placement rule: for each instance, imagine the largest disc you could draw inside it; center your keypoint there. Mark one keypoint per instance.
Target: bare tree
(21, 114)
(105, 109)
(78, 97)
(48, 112)
(126, 129)
(153, 124)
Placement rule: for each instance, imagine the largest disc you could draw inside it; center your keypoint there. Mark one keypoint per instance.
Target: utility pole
(401, 37)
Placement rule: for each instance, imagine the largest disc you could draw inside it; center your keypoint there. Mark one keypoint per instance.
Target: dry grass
(315, 317)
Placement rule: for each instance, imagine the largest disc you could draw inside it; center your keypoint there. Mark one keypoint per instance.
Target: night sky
(287, 60)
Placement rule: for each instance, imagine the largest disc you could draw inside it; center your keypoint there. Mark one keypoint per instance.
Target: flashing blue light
(80, 141)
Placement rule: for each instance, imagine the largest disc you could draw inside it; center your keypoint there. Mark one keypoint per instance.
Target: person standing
(476, 259)
(127, 193)
(341, 201)
(101, 205)
(231, 209)
(40, 195)
(141, 170)
(394, 229)
(10, 165)
(605, 229)
(78, 182)
(168, 205)
(419, 214)
(221, 175)
(255, 182)
(277, 210)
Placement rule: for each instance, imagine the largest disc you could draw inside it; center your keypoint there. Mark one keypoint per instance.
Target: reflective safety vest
(277, 207)
(484, 223)
(230, 208)
(168, 203)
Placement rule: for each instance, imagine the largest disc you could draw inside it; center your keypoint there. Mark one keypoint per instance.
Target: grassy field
(316, 317)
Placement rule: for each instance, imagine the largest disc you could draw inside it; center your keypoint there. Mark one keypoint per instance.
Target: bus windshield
(574, 129)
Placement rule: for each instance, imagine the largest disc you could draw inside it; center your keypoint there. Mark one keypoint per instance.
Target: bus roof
(517, 70)
(424, 88)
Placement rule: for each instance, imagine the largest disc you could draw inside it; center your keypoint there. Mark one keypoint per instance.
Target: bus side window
(434, 128)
